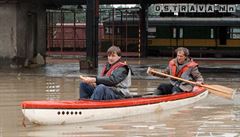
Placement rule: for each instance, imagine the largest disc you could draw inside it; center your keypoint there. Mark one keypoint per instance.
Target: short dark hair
(114, 49)
(185, 51)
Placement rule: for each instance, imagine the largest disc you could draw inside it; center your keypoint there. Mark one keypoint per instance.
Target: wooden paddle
(215, 89)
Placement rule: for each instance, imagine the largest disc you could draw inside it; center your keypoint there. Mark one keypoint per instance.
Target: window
(180, 33)
(235, 33)
(212, 33)
(118, 30)
(151, 32)
(174, 33)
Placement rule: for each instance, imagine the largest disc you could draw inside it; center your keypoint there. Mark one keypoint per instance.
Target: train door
(222, 35)
(177, 36)
(173, 41)
(180, 37)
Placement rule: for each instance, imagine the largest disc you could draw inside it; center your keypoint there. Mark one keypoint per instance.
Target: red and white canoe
(64, 112)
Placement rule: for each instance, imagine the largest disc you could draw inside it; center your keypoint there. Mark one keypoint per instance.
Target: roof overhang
(195, 21)
(84, 2)
(183, 21)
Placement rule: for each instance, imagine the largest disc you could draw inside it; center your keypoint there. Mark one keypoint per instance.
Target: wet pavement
(58, 80)
(219, 68)
(70, 67)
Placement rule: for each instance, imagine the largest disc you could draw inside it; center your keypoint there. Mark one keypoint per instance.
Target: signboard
(200, 8)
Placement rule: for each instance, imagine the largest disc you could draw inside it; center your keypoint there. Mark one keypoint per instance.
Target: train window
(152, 29)
(174, 33)
(180, 32)
(212, 33)
(151, 32)
(235, 33)
(118, 30)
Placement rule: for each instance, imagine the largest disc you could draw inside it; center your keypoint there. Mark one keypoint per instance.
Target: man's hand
(88, 80)
(93, 84)
(198, 83)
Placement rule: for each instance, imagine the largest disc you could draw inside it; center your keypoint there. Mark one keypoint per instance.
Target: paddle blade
(222, 91)
(224, 88)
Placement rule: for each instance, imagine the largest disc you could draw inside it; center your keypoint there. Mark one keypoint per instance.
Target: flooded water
(212, 116)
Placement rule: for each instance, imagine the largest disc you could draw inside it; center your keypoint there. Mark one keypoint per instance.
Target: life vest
(123, 85)
(184, 73)
(173, 67)
(112, 68)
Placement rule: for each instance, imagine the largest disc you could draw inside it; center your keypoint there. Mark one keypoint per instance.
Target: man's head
(182, 54)
(114, 54)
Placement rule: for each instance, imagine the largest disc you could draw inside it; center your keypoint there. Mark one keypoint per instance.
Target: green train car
(205, 37)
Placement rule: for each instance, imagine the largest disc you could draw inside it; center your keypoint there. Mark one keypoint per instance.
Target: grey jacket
(119, 80)
(192, 74)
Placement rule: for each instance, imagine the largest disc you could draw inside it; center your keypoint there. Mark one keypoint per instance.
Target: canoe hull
(50, 116)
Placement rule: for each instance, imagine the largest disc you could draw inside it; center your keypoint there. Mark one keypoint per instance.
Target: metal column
(92, 31)
(143, 28)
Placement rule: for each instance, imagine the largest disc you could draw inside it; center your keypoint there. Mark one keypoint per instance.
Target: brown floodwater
(212, 116)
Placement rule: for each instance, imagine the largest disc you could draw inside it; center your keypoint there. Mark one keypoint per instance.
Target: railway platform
(69, 66)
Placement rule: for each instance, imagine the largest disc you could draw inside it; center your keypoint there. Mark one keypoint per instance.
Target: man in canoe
(183, 67)
(113, 82)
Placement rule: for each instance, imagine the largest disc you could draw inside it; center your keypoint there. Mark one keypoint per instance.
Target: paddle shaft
(212, 89)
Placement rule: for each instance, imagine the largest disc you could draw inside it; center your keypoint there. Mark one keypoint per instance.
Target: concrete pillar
(31, 30)
(22, 31)
(8, 46)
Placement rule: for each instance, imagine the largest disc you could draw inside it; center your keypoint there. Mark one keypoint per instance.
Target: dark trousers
(164, 89)
(100, 92)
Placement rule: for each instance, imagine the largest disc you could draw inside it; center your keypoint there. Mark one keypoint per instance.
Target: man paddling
(113, 83)
(184, 67)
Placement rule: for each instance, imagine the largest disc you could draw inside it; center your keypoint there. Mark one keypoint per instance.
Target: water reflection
(220, 122)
